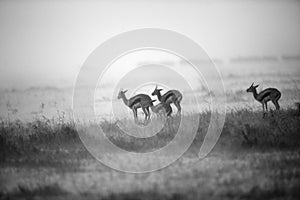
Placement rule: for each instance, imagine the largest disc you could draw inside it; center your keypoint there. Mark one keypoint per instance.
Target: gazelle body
(172, 96)
(138, 101)
(269, 94)
(162, 108)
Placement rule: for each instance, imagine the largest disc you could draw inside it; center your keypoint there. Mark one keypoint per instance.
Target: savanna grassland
(254, 158)
(42, 156)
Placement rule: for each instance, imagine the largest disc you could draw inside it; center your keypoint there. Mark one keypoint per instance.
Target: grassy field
(254, 158)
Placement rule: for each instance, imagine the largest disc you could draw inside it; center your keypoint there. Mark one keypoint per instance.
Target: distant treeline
(237, 59)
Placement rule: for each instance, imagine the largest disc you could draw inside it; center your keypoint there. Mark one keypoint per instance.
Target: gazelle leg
(266, 105)
(275, 102)
(149, 113)
(177, 104)
(277, 105)
(145, 111)
(135, 114)
(170, 110)
(263, 105)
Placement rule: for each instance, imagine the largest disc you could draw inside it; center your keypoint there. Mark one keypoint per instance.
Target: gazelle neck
(159, 95)
(125, 100)
(255, 94)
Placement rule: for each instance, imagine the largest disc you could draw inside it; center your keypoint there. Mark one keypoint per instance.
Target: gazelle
(172, 96)
(138, 101)
(269, 94)
(164, 107)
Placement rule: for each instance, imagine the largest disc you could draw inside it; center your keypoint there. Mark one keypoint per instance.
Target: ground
(254, 158)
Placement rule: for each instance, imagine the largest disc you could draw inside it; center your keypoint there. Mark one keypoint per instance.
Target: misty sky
(44, 43)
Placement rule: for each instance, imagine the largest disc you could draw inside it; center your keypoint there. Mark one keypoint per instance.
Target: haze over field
(44, 43)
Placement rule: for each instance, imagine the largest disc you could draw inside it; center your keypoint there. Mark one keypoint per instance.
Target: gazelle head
(156, 91)
(121, 94)
(252, 88)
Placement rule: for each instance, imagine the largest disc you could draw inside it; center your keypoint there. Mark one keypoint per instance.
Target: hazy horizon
(45, 43)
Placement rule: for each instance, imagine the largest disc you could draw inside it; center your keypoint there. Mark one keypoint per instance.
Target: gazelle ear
(256, 86)
(125, 91)
(160, 89)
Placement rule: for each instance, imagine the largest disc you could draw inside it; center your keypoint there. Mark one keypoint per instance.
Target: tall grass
(46, 144)
(243, 129)
(42, 135)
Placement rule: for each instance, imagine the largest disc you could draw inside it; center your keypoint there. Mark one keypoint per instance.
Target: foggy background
(44, 43)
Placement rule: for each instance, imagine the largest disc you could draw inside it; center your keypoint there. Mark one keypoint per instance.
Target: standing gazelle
(172, 96)
(138, 101)
(269, 94)
(162, 107)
